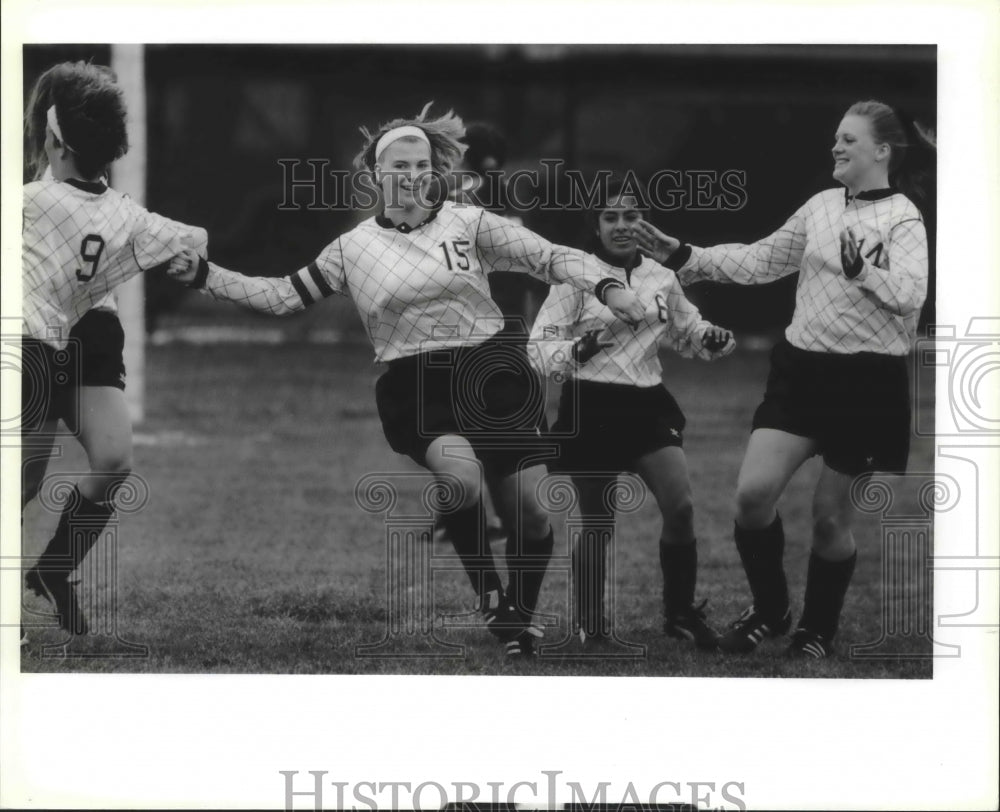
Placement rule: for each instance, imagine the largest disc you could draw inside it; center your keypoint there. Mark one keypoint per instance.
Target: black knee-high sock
(527, 560)
(679, 564)
(590, 555)
(466, 529)
(762, 552)
(79, 528)
(826, 586)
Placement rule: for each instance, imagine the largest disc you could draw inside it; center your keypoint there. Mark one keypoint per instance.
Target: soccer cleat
(690, 624)
(523, 646)
(808, 644)
(750, 628)
(56, 588)
(502, 619)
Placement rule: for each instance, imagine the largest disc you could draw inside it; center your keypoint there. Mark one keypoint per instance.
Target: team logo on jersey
(874, 255)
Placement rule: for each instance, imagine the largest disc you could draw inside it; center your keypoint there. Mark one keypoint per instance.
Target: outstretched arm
(756, 263)
(506, 246)
(277, 296)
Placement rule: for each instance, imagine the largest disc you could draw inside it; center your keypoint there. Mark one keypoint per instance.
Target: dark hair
(90, 109)
(484, 141)
(610, 187)
(913, 160)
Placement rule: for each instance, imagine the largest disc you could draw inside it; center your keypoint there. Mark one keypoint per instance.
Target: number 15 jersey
(81, 240)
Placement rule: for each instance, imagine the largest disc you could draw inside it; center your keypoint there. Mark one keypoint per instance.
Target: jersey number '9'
(90, 251)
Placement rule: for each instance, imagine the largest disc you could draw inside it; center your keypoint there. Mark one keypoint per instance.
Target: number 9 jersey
(81, 240)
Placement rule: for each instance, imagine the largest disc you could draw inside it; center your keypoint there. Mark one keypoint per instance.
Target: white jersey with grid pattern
(80, 241)
(416, 289)
(109, 303)
(875, 312)
(670, 320)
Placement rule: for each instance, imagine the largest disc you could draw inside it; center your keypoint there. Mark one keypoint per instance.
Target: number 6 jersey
(633, 359)
(81, 240)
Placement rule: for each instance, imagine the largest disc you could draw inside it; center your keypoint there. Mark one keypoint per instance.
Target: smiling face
(615, 224)
(404, 173)
(858, 161)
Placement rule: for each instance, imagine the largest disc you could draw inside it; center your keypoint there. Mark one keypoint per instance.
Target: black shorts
(102, 347)
(50, 377)
(857, 407)
(607, 427)
(488, 393)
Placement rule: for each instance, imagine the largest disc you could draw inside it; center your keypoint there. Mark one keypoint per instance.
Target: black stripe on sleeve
(908, 220)
(604, 285)
(201, 277)
(301, 289)
(677, 259)
(320, 280)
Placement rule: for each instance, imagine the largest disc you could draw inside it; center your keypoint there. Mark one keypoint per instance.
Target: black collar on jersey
(403, 228)
(94, 187)
(634, 261)
(870, 194)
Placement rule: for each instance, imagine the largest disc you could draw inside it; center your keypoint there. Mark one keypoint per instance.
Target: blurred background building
(220, 117)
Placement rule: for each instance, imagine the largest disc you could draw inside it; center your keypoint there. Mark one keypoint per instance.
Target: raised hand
(588, 345)
(850, 254)
(625, 305)
(718, 341)
(654, 243)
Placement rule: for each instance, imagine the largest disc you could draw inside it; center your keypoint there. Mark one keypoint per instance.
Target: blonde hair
(443, 133)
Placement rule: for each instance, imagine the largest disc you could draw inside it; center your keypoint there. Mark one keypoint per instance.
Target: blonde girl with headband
(453, 397)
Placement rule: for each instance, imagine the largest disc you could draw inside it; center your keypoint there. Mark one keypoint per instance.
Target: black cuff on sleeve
(677, 259)
(202, 276)
(602, 288)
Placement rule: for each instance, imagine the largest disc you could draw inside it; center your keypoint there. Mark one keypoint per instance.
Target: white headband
(54, 126)
(396, 134)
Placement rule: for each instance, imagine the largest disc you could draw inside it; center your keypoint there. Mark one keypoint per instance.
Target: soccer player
(618, 415)
(838, 382)
(80, 240)
(417, 273)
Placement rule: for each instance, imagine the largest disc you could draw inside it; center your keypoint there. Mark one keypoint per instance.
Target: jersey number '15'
(460, 247)
(90, 252)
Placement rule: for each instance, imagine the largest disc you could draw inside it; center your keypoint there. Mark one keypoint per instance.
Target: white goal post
(129, 177)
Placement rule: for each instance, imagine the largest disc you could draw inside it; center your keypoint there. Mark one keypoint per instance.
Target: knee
(829, 530)
(116, 460)
(678, 519)
(754, 503)
(535, 522)
(468, 485)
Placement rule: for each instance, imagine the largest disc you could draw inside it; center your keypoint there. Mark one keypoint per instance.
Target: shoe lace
(743, 618)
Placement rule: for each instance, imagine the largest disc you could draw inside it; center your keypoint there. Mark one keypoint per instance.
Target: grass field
(252, 555)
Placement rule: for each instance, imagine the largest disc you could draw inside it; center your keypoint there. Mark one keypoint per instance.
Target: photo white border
(219, 741)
